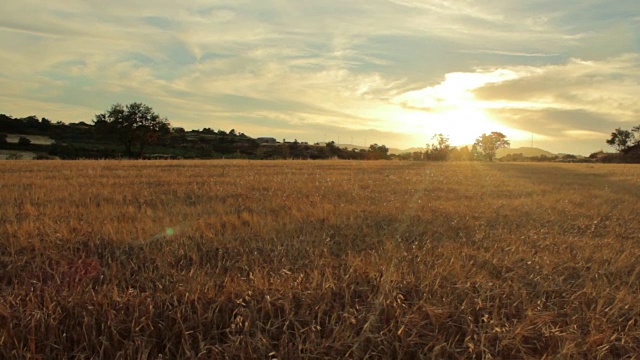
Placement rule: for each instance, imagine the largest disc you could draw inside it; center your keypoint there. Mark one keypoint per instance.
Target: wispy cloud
(381, 67)
(507, 53)
(605, 87)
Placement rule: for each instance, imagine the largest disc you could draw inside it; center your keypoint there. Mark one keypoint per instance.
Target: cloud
(352, 66)
(455, 91)
(607, 87)
(554, 123)
(507, 53)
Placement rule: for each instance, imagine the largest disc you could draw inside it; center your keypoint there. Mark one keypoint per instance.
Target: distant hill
(525, 151)
(349, 146)
(409, 150)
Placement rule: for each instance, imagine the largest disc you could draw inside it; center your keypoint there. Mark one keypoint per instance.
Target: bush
(45, 157)
(14, 156)
(24, 141)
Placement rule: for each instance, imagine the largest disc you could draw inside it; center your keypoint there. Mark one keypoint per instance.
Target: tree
(3, 138)
(377, 152)
(45, 125)
(134, 125)
(486, 146)
(332, 148)
(621, 139)
(440, 149)
(636, 131)
(465, 154)
(284, 151)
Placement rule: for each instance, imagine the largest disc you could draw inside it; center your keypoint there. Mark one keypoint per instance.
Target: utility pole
(531, 139)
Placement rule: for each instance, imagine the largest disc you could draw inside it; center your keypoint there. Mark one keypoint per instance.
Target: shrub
(24, 141)
(45, 157)
(14, 156)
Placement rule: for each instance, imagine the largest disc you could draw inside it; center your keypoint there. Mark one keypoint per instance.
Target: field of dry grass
(287, 259)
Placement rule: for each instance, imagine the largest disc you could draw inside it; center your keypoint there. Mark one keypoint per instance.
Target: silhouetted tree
(45, 124)
(377, 152)
(486, 146)
(636, 131)
(621, 139)
(332, 148)
(440, 149)
(134, 125)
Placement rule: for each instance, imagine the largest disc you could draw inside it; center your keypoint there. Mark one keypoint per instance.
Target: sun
(463, 125)
(462, 122)
(451, 108)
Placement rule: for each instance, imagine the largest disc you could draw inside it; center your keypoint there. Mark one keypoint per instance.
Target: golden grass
(239, 259)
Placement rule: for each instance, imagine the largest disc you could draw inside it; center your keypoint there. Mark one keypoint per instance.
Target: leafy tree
(134, 125)
(440, 149)
(622, 139)
(377, 152)
(636, 131)
(486, 146)
(32, 122)
(332, 148)
(45, 124)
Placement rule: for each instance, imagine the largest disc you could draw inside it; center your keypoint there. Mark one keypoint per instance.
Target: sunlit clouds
(392, 72)
(453, 105)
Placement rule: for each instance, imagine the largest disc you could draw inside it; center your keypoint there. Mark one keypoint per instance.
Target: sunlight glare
(451, 108)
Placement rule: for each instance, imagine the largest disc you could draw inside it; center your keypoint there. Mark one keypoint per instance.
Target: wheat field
(332, 259)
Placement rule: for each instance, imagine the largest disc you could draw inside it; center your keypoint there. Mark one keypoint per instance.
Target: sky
(560, 74)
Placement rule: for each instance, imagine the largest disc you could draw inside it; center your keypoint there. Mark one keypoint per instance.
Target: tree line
(484, 148)
(136, 131)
